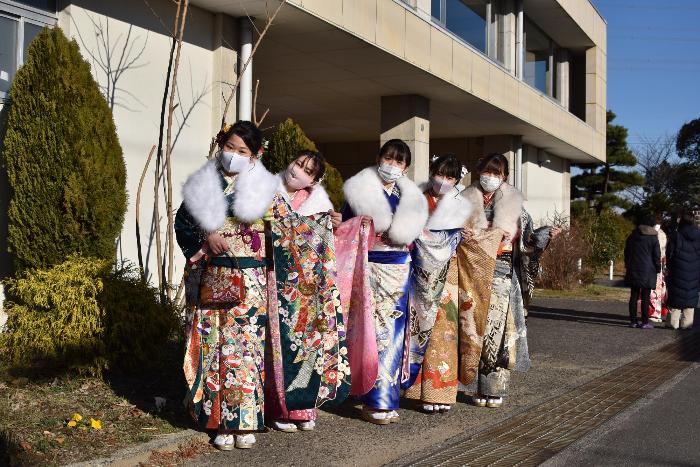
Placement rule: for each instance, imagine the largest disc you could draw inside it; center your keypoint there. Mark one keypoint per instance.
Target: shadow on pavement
(563, 314)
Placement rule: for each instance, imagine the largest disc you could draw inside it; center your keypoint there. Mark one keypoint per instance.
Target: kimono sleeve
(188, 234)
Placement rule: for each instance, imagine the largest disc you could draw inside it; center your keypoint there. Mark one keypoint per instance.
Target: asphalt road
(571, 342)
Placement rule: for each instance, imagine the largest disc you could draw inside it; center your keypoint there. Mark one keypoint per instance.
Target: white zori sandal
(377, 417)
(286, 427)
(246, 441)
(308, 425)
(224, 442)
(494, 402)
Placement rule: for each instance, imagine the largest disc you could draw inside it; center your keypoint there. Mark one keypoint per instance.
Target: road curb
(134, 455)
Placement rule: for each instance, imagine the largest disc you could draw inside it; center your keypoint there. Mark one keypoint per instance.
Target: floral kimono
(399, 216)
(433, 302)
(303, 243)
(495, 284)
(224, 357)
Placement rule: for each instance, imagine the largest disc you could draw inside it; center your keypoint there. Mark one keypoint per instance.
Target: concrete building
(523, 77)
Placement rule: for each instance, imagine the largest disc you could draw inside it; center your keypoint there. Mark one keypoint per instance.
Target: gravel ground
(571, 342)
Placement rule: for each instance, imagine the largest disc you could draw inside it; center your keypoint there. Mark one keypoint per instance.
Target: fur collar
(452, 210)
(364, 193)
(317, 202)
(203, 195)
(509, 204)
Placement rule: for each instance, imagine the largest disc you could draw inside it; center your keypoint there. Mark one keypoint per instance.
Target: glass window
(46, 5)
(467, 19)
(538, 47)
(435, 9)
(31, 30)
(8, 51)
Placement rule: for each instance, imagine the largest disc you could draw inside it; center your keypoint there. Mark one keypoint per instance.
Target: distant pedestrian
(643, 263)
(683, 256)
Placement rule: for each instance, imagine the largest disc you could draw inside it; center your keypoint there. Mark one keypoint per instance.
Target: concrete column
(519, 40)
(507, 35)
(563, 77)
(407, 117)
(596, 89)
(424, 9)
(245, 91)
(224, 69)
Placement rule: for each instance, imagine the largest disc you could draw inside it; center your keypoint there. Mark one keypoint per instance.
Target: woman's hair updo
(495, 162)
(247, 131)
(446, 165)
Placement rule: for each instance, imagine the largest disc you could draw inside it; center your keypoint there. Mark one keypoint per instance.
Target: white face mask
(389, 173)
(296, 178)
(441, 186)
(232, 162)
(490, 183)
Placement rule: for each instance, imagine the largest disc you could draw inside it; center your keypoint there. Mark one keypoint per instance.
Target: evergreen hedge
(286, 142)
(86, 316)
(65, 166)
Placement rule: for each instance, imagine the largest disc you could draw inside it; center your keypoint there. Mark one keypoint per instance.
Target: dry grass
(34, 416)
(589, 292)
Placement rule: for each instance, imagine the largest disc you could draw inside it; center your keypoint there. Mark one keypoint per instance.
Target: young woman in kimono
(433, 295)
(384, 195)
(300, 187)
(220, 224)
(498, 207)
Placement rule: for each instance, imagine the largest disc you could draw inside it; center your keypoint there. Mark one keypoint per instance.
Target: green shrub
(64, 163)
(605, 233)
(333, 183)
(137, 326)
(86, 317)
(285, 143)
(55, 317)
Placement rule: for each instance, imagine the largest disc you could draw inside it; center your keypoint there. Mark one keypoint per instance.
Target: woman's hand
(217, 243)
(336, 218)
(366, 220)
(467, 234)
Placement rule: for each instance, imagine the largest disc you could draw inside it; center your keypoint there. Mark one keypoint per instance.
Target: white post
(519, 41)
(612, 265)
(245, 91)
(579, 264)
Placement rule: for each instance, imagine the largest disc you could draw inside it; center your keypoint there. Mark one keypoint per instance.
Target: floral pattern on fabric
(228, 344)
(311, 328)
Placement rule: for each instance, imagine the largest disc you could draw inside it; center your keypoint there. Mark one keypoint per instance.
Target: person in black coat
(683, 260)
(643, 263)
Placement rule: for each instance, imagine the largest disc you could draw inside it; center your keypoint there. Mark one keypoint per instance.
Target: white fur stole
(317, 202)
(204, 197)
(452, 211)
(508, 206)
(364, 193)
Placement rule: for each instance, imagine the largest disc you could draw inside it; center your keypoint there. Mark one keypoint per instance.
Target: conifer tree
(64, 163)
(599, 187)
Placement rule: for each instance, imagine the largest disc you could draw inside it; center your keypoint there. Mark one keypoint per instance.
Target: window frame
(23, 14)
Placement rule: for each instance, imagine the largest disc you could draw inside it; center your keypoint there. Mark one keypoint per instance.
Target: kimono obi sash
(237, 262)
(389, 257)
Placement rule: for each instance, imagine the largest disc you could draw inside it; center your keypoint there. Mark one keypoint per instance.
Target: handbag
(221, 286)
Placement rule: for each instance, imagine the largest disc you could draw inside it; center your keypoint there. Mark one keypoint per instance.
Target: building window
(467, 19)
(539, 49)
(20, 23)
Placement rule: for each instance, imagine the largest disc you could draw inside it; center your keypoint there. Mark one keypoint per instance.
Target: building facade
(526, 78)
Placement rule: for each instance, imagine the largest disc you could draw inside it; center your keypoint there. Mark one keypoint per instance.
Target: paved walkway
(659, 430)
(572, 342)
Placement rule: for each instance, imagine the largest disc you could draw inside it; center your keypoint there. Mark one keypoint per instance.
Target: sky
(653, 65)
